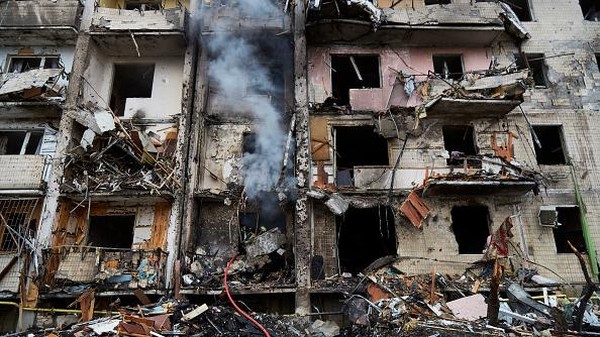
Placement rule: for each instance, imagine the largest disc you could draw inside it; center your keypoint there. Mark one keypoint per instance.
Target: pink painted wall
(411, 61)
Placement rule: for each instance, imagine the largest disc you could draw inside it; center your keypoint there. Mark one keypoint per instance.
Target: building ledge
(247, 290)
(437, 187)
(469, 108)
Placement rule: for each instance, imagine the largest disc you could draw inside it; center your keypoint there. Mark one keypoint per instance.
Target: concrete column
(302, 242)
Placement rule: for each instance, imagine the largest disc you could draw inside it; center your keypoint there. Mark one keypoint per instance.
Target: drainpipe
(589, 240)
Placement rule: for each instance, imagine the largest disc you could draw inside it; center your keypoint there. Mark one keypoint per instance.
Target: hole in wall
(470, 225)
(353, 72)
(364, 235)
(537, 64)
(448, 66)
(358, 146)
(551, 151)
(568, 230)
(590, 9)
(130, 81)
(112, 231)
(459, 139)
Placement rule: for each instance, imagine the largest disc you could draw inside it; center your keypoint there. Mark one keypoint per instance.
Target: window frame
(43, 58)
(27, 138)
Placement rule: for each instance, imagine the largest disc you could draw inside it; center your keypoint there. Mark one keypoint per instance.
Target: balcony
(475, 96)
(140, 32)
(136, 20)
(32, 22)
(453, 24)
(108, 268)
(22, 172)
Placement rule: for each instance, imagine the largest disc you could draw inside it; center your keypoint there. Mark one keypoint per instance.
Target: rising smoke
(235, 67)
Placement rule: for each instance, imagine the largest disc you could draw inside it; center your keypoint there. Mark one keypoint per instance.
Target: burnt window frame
(332, 71)
(563, 147)
(585, 15)
(452, 76)
(43, 61)
(437, 2)
(597, 58)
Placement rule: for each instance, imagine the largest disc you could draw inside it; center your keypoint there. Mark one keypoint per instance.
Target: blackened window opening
(130, 80)
(353, 72)
(365, 234)
(552, 150)
(20, 142)
(569, 230)
(437, 2)
(113, 231)
(470, 225)
(448, 66)
(590, 9)
(249, 143)
(459, 141)
(536, 64)
(264, 212)
(521, 9)
(598, 61)
(358, 146)
(142, 5)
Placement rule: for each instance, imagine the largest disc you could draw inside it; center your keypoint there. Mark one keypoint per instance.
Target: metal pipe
(60, 311)
(585, 228)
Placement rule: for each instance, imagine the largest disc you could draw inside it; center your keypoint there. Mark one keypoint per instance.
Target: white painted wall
(166, 87)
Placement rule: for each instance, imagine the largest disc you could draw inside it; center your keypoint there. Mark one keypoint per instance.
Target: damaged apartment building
(148, 148)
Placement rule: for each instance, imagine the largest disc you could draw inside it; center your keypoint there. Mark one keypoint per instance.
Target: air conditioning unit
(548, 216)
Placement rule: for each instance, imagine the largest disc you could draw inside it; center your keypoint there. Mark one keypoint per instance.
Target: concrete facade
(201, 128)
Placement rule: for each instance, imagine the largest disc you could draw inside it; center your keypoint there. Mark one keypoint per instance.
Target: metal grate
(17, 223)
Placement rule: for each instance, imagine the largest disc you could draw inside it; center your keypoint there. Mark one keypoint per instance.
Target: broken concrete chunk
(36, 78)
(326, 328)
(87, 140)
(470, 308)
(337, 204)
(195, 313)
(265, 243)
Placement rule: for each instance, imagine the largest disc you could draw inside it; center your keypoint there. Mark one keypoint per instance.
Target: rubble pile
(114, 156)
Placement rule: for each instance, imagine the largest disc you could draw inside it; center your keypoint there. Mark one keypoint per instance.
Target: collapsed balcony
(106, 268)
(43, 84)
(481, 175)
(490, 94)
(472, 23)
(112, 156)
(139, 16)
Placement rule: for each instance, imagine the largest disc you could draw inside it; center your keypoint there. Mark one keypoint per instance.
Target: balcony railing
(31, 14)
(108, 268)
(21, 172)
(115, 19)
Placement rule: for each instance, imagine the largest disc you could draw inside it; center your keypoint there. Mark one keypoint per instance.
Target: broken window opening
(263, 213)
(521, 9)
(17, 223)
(130, 81)
(437, 2)
(357, 146)
(142, 5)
(537, 65)
(471, 227)
(448, 66)
(590, 9)
(459, 141)
(111, 231)
(552, 151)
(598, 61)
(20, 64)
(364, 235)
(249, 143)
(20, 142)
(353, 72)
(569, 229)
